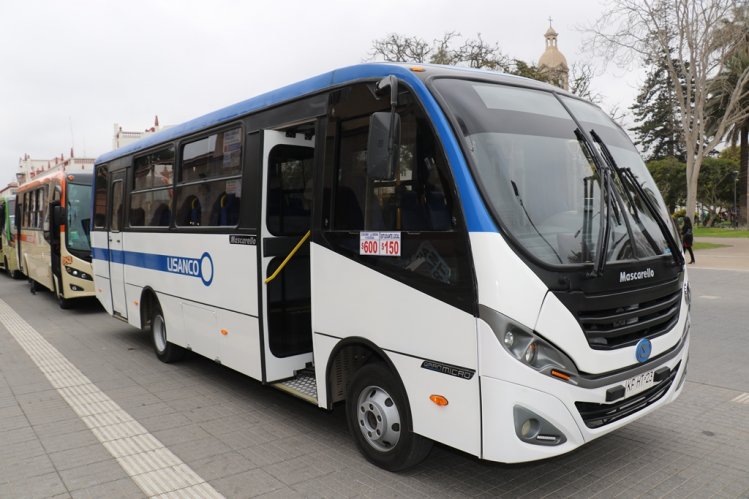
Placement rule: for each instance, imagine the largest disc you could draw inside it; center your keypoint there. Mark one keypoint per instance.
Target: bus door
(115, 243)
(285, 224)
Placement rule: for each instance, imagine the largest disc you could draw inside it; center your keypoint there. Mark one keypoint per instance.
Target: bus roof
(57, 175)
(311, 86)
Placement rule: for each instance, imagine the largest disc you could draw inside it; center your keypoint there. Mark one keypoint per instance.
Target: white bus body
(488, 275)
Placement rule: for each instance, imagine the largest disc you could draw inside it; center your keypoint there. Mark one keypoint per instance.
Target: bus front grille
(597, 415)
(626, 324)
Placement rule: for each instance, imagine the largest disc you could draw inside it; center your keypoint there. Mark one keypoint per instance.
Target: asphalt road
(241, 439)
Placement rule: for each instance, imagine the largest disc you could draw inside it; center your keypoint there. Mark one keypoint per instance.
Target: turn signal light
(560, 375)
(439, 400)
(417, 69)
(224, 332)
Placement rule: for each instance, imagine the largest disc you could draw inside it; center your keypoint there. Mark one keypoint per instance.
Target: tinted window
(209, 190)
(417, 204)
(289, 190)
(101, 198)
(151, 199)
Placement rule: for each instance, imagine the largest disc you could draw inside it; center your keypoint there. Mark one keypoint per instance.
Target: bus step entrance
(303, 386)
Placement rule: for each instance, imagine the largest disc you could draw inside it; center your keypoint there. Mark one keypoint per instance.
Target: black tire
(64, 303)
(166, 352)
(379, 419)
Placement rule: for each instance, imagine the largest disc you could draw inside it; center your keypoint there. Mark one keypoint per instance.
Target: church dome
(552, 62)
(552, 58)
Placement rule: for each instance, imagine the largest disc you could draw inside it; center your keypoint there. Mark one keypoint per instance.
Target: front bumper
(579, 413)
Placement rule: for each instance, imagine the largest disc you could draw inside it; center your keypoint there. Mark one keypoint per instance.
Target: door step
(303, 386)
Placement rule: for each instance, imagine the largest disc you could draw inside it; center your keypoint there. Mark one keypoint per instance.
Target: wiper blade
(673, 246)
(527, 215)
(604, 209)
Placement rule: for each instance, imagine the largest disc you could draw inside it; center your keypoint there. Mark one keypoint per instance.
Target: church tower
(552, 62)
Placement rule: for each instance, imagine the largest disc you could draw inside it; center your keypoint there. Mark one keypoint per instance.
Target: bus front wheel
(166, 352)
(61, 300)
(380, 421)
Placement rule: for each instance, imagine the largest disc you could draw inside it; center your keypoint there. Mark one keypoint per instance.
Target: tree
(528, 70)
(395, 47)
(721, 89)
(715, 192)
(581, 78)
(688, 36)
(670, 176)
(474, 53)
(658, 131)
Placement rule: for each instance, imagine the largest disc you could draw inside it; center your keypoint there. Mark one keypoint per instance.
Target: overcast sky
(69, 69)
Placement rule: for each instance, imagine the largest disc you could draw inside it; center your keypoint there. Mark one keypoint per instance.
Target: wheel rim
(378, 418)
(159, 333)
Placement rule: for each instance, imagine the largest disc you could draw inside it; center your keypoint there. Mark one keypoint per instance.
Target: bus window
(418, 203)
(100, 198)
(151, 199)
(209, 185)
(289, 190)
(117, 206)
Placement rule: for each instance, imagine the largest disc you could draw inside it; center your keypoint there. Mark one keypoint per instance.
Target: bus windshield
(78, 207)
(537, 173)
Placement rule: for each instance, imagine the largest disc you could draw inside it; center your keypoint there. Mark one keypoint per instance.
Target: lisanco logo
(636, 276)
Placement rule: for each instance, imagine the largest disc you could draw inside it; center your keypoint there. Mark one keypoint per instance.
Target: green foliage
(656, 111)
(719, 232)
(716, 186)
(528, 70)
(670, 175)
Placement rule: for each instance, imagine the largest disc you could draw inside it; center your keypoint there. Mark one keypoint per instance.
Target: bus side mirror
(383, 145)
(58, 217)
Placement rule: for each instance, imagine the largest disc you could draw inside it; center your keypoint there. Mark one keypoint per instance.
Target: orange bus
(53, 213)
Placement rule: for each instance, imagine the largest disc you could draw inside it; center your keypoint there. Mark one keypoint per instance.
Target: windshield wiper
(604, 227)
(522, 205)
(627, 172)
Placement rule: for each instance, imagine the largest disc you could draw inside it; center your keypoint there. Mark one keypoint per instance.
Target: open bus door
(284, 225)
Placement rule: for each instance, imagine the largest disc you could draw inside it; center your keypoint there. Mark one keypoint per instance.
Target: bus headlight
(78, 273)
(529, 348)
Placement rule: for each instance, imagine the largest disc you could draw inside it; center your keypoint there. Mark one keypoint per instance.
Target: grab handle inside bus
(288, 257)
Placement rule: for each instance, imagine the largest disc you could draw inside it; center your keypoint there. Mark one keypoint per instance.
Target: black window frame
(463, 293)
(239, 177)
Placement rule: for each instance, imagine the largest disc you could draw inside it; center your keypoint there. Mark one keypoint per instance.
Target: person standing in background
(687, 237)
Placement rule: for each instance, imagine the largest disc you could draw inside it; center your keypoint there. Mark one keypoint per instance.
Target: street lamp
(735, 207)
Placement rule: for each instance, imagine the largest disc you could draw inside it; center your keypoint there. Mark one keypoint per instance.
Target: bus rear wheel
(166, 352)
(380, 421)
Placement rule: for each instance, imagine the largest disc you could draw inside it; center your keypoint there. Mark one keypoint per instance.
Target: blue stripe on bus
(475, 211)
(201, 268)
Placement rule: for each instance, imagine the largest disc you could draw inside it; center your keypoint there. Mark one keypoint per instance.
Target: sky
(70, 70)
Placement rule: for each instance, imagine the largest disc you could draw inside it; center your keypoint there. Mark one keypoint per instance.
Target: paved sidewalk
(735, 256)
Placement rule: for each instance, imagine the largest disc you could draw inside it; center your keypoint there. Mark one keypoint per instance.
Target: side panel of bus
(36, 252)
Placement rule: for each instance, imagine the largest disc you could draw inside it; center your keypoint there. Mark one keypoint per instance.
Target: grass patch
(703, 246)
(719, 232)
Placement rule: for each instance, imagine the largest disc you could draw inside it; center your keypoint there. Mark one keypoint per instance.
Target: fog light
(533, 429)
(529, 428)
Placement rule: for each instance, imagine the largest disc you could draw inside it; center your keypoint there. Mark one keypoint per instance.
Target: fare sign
(380, 243)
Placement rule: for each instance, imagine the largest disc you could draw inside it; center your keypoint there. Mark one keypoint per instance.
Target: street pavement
(235, 437)
(734, 256)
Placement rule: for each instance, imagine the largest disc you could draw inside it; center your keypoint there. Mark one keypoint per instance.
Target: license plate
(639, 383)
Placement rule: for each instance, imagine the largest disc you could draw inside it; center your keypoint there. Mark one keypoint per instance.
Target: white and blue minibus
(455, 255)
